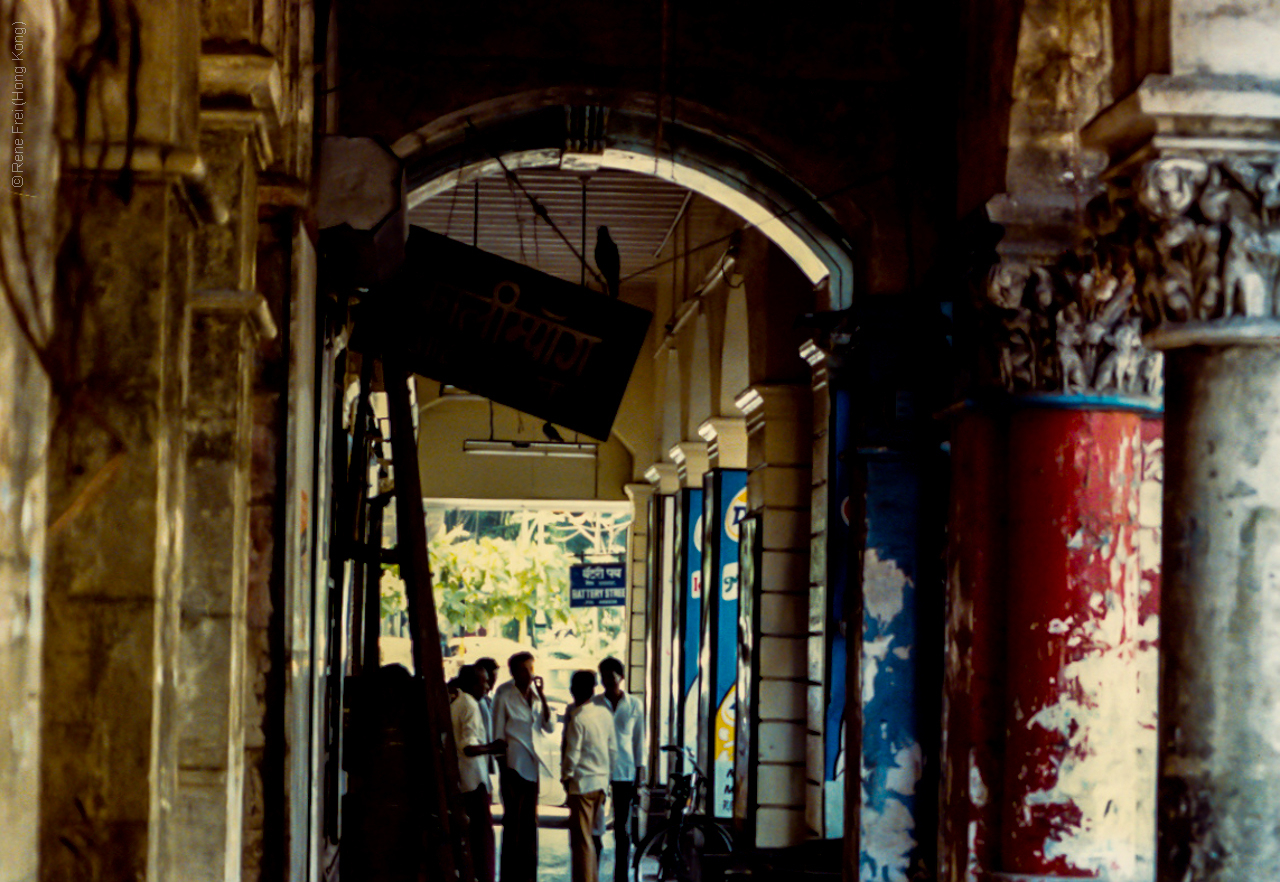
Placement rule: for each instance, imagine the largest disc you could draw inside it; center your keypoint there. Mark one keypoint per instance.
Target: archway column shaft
(1191, 216)
(774, 675)
(1053, 607)
(1220, 669)
(1077, 761)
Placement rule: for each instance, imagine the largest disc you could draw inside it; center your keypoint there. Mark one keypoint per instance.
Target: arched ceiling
(639, 210)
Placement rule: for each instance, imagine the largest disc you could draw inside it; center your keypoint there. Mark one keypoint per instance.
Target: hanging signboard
(597, 585)
(520, 337)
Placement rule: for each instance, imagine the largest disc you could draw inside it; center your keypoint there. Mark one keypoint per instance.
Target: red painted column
(973, 696)
(1079, 709)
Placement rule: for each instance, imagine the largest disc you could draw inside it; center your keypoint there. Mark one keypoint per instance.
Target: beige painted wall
(449, 473)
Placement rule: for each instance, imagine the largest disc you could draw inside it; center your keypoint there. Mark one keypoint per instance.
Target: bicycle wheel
(716, 837)
(657, 859)
(646, 862)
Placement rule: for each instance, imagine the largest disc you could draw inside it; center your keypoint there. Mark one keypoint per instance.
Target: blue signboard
(691, 620)
(597, 585)
(731, 496)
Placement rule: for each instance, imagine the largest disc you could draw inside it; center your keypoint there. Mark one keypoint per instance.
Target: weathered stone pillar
(771, 743)
(660, 649)
(115, 543)
(206, 841)
(638, 549)
(826, 702)
(27, 222)
(1195, 218)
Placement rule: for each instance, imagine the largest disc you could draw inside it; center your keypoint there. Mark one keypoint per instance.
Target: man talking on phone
(519, 706)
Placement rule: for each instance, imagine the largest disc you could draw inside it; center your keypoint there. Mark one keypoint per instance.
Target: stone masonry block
(779, 827)
(204, 692)
(780, 785)
(785, 570)
(785, 529)
(815, 756)
(782, 614)
(781, 700)
(781, 742)
(782, 656)
(816, 707)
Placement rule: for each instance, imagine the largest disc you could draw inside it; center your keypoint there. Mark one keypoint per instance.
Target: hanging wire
(475, 217)
(583, 280)
(515, 208)
(539, 210)
(453, 193)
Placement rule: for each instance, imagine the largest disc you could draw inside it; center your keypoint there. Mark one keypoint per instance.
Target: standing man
(474, 747)
(486, 709)
(585, 762)
(628, 765)
(518, 707)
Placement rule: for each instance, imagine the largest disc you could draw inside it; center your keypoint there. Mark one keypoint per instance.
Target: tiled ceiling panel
(637, 209)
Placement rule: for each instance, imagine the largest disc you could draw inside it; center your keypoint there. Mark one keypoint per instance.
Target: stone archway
(535, 130)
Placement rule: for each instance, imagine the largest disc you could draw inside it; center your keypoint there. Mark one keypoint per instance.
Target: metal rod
(541, 212)
(675, 222)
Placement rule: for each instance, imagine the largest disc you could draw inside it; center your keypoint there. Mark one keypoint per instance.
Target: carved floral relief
(1062, 328)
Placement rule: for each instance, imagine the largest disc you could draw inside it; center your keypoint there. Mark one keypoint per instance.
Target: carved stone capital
(1200, 235)
(1070, 327)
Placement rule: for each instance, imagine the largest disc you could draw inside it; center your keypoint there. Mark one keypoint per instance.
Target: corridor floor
(553, 845)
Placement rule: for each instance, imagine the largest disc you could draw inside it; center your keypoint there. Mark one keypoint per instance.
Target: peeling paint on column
(973, 694)
(1079, 764)
(892, 760)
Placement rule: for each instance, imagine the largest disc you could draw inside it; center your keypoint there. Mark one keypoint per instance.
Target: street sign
(597, 585)
(520, 337)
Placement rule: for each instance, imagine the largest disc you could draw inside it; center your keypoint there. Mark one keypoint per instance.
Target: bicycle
(673, 852)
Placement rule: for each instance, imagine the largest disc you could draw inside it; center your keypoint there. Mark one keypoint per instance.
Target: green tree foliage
(479, 580)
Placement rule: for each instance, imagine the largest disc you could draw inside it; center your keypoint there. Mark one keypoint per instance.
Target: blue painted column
(689, 617)
(892, 755)
(724, 506)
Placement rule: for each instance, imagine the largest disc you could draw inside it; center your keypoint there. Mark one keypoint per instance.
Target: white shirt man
(628, 723)
(469, 731)
(627, 713)
(518, 706)
(514, 719)
(471, 736)
(586, 760)
(590, 747)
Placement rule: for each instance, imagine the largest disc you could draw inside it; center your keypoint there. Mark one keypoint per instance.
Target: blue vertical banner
(840, 538)
(731, 508)
(892, 758)
(691, 615)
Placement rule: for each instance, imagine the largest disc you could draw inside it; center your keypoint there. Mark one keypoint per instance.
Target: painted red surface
(1072, 508)
(974, 696)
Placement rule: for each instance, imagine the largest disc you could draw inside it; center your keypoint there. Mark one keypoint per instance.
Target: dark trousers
(480, 832)
(519, 828)
(624, 795)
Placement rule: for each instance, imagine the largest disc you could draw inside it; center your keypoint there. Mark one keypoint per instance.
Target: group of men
(603, 744)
